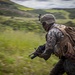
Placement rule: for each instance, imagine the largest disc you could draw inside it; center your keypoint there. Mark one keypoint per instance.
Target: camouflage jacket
(52, 37)
(57, 42)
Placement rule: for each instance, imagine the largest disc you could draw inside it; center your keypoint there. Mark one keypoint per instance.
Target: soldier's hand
(44, 56)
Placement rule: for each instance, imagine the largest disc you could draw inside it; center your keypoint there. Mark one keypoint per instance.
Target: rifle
(37, 52)
(33, 55)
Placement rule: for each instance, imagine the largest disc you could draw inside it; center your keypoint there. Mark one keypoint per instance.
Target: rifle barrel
(33, 56)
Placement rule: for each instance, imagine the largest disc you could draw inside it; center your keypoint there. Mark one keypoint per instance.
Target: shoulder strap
(62, 29)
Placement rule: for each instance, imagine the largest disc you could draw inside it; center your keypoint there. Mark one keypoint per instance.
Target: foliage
(59, 13)
(15, 46)
(70, 23)
(71, 11)
(22, 24)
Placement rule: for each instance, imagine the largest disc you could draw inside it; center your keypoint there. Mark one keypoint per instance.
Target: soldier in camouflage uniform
(53, 36)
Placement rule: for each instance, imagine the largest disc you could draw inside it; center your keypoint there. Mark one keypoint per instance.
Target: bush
(70, 23)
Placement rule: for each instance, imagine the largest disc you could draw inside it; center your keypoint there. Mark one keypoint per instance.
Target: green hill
(19, 17)
(9, 8)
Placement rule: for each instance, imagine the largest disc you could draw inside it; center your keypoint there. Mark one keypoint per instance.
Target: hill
(59, 13)
(9, 8)
(23, 18)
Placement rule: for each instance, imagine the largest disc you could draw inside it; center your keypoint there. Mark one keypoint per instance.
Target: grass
(23, 8)
(15, 46)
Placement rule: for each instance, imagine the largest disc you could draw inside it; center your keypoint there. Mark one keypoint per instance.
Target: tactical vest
(66, 46)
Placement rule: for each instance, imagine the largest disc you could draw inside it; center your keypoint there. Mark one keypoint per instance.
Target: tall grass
(15, 46)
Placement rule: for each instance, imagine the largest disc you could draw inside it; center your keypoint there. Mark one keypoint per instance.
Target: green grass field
(15, 46)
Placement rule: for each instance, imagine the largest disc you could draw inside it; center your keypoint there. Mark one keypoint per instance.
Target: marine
(59, 43)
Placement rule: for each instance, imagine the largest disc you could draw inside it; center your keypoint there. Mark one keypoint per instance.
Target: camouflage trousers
(63, 66)
(58, 68)
(69, 67)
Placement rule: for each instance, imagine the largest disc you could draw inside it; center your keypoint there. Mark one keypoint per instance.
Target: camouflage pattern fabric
(58, 68)
(53, 36)
(69, 67)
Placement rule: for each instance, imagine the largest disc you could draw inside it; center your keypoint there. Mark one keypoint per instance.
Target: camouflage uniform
(64, 65)
(52, 38)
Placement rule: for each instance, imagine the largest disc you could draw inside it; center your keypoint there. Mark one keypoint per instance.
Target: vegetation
(20, 33)
(15, 46)
(18, 38)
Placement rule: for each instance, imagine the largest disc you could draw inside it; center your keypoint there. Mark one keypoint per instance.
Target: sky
(46, 4)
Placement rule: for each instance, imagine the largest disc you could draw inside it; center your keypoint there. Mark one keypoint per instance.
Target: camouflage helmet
(48, 18)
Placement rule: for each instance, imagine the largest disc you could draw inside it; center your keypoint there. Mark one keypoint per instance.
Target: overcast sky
(46, 4)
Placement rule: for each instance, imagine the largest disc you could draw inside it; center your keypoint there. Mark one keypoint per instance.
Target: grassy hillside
(15, 46)
(9, 8)
(18, 38)
(20, 33)
(59, 13)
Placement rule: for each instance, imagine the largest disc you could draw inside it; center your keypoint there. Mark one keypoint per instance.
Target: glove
(46, 54)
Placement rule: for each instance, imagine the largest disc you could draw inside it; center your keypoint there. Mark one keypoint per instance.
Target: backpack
(71, 33)
(67, 42)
